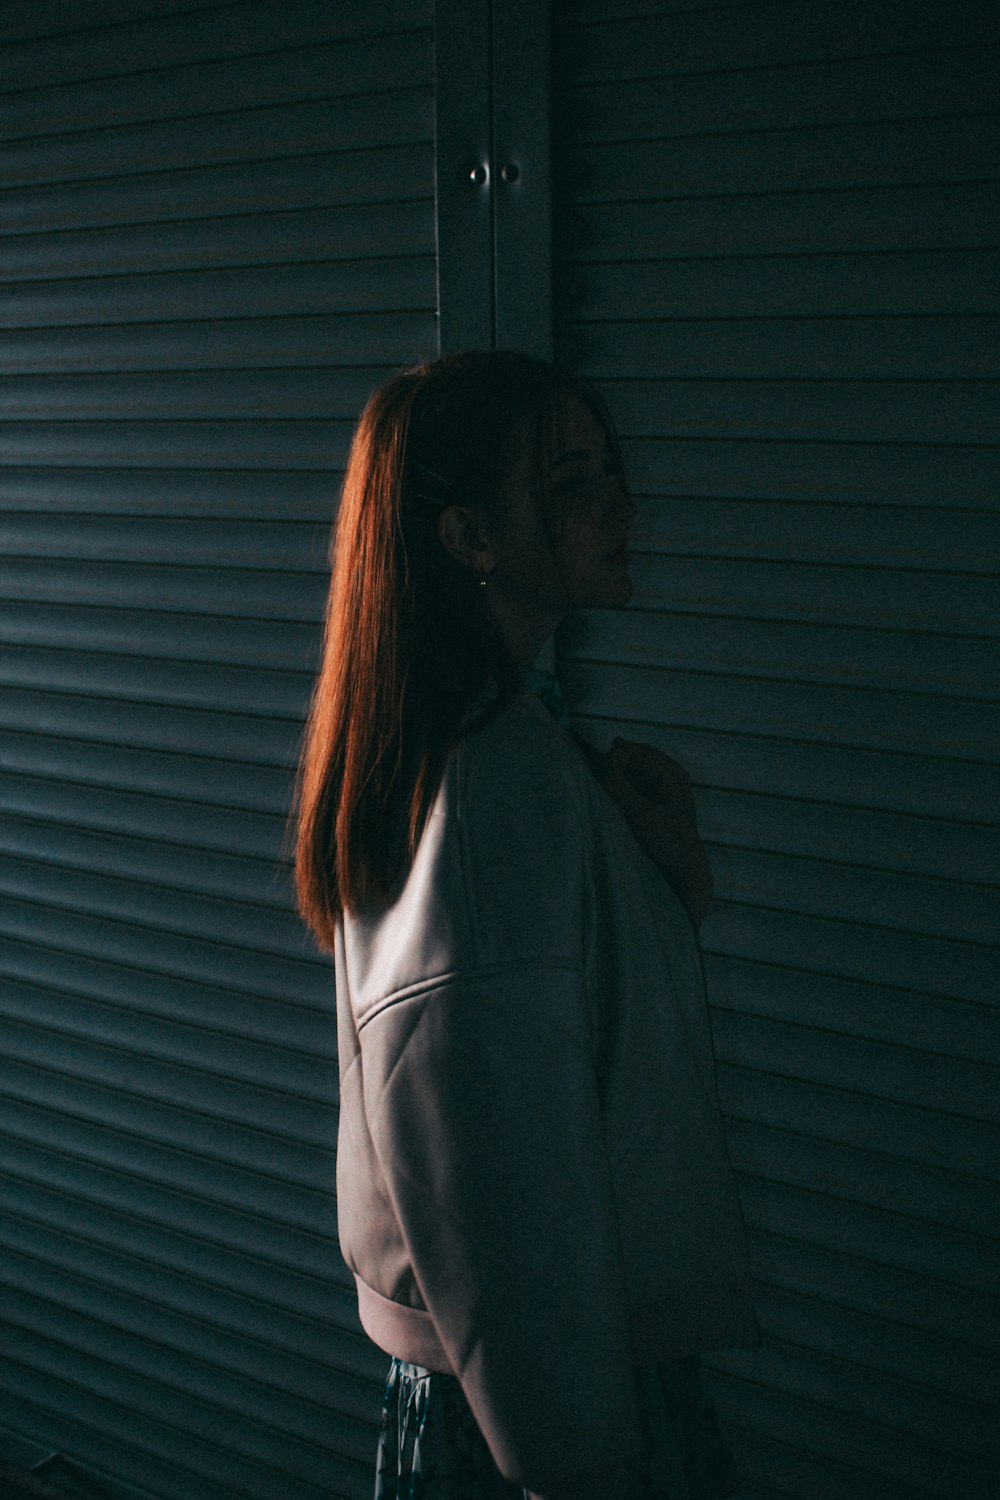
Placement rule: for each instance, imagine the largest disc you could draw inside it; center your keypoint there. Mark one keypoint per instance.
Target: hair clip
(424, 482)
(431, 473)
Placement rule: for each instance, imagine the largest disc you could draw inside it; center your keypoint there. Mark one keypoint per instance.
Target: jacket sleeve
(487, 1125)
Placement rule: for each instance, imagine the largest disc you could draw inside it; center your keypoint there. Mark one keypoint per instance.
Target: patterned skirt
(430, 1447)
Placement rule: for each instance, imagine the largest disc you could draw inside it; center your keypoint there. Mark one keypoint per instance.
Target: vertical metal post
(464, 175)
(522, 221)
(494, 240)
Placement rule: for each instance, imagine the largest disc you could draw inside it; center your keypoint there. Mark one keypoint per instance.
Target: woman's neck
(524, 631)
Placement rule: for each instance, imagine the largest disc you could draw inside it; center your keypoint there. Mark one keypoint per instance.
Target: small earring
(482, 581)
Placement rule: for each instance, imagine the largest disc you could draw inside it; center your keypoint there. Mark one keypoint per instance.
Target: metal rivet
(511, 172)
(478, 175)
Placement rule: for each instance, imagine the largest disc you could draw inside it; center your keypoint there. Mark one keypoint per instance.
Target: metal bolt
(511, 172)
(478, 175)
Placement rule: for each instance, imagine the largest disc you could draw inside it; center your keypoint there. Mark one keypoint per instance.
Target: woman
(533, 1188)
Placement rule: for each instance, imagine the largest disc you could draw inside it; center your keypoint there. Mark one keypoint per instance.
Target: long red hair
(408, 647)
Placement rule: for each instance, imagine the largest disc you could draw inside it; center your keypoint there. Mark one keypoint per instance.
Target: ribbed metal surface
(219, 236)
(776, 232)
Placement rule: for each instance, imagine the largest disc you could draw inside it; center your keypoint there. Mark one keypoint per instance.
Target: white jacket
(533, 1187)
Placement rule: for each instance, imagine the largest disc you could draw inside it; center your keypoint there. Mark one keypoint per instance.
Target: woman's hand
(654, 793)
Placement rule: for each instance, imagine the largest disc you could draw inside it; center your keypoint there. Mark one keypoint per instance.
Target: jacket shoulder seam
(453, 976)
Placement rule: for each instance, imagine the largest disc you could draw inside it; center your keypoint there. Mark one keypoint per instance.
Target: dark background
(767, 231)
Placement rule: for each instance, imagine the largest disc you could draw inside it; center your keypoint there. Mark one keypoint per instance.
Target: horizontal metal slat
(860, 1009)
(954, 411)
(211, 34)
(906, 1074)
(877, 598)
(762, 36)
(406, 284)
(966, 1202)
(317, 180)
(795, 1472)
(281, 1208)
(862, 1286)
(892, 1428)
(264, 1038)
(945, 477)
(958, 216)
(242, 395)
(886, 780)
(214, 495)
(949, 727)
(272, 644)
(234, 344)
(403, 118)
(237, 592)
(311, 1379)
(920, 1137)
(30, 20)
(147, 1403)
(282, 238)
(76, 1420)
(209, 782)
(854, 950)
(261, 881)
(72, 933)
(233, 832)
(197, 445)
(233, 1400)
(868, 349)
(206, 541)
(856, 284)
(325, 71)
(910, 85)
(329, 1300)
(53, 1238)
(229, 738)
(77, 1311)
(876, 535)
(108, 1184)
(273, 934)
(263, 1063)
(113, 1089)
(789, 650)
(578, 12)
(877, 1344)
(892, 1240)
(171, 1065)
(887, 152)
(848, 891)
(185, 684)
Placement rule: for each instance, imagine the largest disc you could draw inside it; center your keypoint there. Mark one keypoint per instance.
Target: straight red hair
(408, 646)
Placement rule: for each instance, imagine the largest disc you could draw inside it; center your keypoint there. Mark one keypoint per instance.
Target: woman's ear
(460, 535)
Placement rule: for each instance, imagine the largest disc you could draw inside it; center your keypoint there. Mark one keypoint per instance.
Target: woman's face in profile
(583, 563)
(586, 494)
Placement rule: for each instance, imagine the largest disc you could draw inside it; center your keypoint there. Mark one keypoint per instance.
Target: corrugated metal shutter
(219, 236)
(776, 229)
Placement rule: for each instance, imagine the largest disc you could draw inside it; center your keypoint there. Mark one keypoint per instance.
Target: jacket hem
(406, 1333)
(705, 1319)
